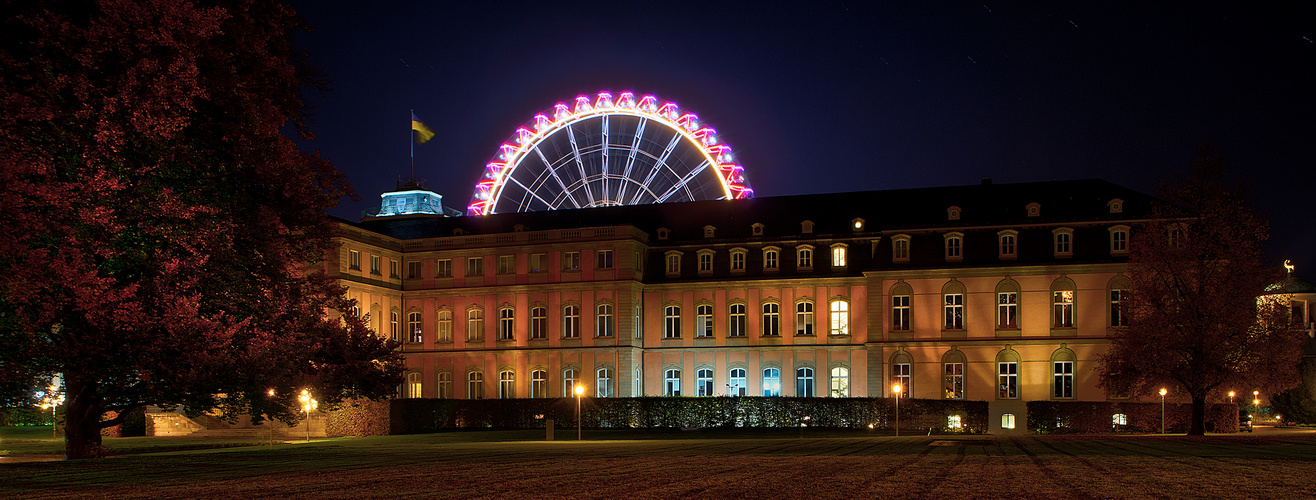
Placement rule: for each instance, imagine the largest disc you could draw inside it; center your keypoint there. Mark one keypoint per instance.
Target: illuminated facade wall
(1006, 309)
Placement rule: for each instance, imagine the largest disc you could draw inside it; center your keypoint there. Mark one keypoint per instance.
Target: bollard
(548, 430)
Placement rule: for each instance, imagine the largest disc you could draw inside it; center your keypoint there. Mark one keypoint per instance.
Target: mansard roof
(981, 205)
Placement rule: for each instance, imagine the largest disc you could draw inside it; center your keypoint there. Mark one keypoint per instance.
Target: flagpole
(412, 141)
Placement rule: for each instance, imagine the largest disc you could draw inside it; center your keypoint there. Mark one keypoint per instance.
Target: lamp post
(308, 404)
(1256, 401)
(580, 391)
(51, 400)
(1231, 397)
(896, 389)
(267, 416)
(1162, 410)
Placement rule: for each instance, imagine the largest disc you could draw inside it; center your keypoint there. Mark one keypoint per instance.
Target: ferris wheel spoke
(575, 152)
(662, 162)
(529, 191)
(630, 159)
(605, 159)
(683, 182)
(553, 171)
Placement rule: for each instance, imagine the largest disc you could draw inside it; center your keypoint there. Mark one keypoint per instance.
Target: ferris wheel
(605, 152)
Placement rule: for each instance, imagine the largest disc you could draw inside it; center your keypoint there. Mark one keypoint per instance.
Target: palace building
(1004, 293)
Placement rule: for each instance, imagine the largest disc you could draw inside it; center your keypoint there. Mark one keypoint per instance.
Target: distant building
(1005, 293)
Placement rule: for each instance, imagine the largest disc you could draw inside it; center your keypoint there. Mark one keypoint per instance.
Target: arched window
(1118, 290)
(538, 384)
(1007, 374)
(953, 306)
(414, 332)
(737, 385)
(1007, 305)
(954, 246)
(804, 318)
(569, 377)
(394, 326)
(838, 255)
(413, 385)
(445, 385)
(1007, 244)
(603, 384)
(444, 325)
(604, 326)
(953, 369)
(1062, 373)
(570, 321)
(506, 323)
(771, 382)
(804, 257)
(475, 385)
(704, 320)
(771, 319)
(804, 382)
(839, 311)
(474, 323)
(1063, 294)
(672, 322)
(900, 248)
(900, 311)
(902, 373)
(840, 387)
(506, 384)
(1064, 241)
(771, 258)
(672, 382)
(737, 322)
(704, 382)
(538, 323)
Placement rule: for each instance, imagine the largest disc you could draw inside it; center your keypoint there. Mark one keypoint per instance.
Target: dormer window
(900, 248)
(1034, 209)
(738, 260)
(1007, 244)
(953, 213)
(804, 257)
(705, 259)
(1064, 242)
(838, 255)
(771, 258)
(673, 260)
(857, 224)
(806, 227)
(954, 246)
(1119, 240)
(709, 231)
(756, 229)
(1116, 206)
(663, 233)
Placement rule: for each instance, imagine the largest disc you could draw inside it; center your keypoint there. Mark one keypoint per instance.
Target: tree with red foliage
(157, 226)
(1199, 319)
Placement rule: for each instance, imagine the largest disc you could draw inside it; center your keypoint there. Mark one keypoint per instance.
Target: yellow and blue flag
(423, 132)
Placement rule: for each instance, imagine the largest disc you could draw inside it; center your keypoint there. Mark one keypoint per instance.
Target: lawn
(707, 464)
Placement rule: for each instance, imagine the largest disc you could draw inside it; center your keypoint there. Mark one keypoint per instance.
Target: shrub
(1070, 417)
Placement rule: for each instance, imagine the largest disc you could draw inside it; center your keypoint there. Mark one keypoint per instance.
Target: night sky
(843, 96)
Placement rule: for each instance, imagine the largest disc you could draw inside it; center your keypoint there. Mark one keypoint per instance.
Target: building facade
(1004, 293)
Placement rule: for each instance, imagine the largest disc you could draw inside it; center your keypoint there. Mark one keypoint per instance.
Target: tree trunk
(1198, 427)
(82, 421)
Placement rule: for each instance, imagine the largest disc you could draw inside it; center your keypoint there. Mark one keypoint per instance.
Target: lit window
(570, 261)
(672, 322)
(506, 324)
(414, 332)
(771, 382)
(569, 377)
(413, 385)
(771, 319)
(672, 383)
(474, 324)
(538, 384)
(704, 382)
(1119, 419)
(603, 384)
(538, 322)
(954, 381)
(737, 327)
(571, 321)
(954, 311)
(604, 326)
(506, 384)
(954, 422)
(804, 318)
(703, 320)
(1063, 302)
(840, 317)
(445, 326)
(1008, 380)
(603, 259)
(1063, 383)
(475, 385)
(1117, 315)
(1007, 420)
(475, 266)
(804, 382)
(737, 385)
(443, 268)
(840, 387)
(838, 256)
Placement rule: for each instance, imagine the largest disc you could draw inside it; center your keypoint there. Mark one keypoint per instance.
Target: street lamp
(51, 400)
(580, 391)
(267, 416)
(896, 389)
(1162, 410)
(1231, 397)
(308, 404)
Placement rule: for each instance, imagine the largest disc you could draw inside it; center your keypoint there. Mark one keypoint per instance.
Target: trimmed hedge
(1073, 417)
(360, 417)
(24, 415)
(410, 416)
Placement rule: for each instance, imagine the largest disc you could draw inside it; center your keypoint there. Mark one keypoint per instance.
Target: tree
(1299, 403)
(1199, 324)
(162, 241)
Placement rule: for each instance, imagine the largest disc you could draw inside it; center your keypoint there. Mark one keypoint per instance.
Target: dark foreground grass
(699, 465)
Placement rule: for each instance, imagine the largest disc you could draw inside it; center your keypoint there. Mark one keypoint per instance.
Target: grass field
(707, 464)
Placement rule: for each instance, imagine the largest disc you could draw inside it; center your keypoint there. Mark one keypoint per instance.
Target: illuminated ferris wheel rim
(526, 138)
